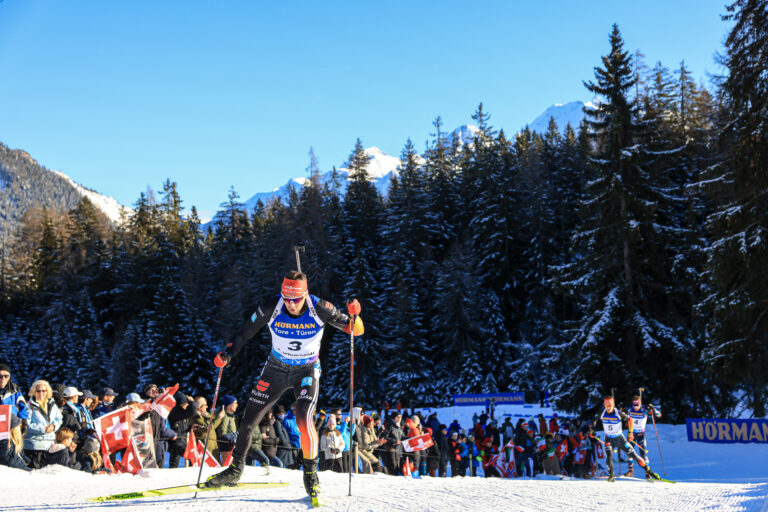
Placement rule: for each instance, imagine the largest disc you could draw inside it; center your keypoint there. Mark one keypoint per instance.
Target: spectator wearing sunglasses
(10, 394)
(45, 420)
(296, 321)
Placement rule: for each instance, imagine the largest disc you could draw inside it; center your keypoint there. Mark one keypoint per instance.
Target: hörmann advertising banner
(727, 431)
(516, 397)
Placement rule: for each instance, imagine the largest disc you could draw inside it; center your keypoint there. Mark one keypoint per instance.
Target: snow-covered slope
(108, 205)
(710, 477)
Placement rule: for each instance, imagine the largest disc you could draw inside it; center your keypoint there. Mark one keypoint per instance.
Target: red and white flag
(105, 456)
(228, 458)
(191, 453)
(131, 462)
(115, 428)
(418, 443)
(5, 422)
(165, 402)
(210, 460)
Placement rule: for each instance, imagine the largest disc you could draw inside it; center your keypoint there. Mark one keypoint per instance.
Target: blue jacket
(9, 457)
(293, 429)
(37, 438)
(103, 408)
(13, 397)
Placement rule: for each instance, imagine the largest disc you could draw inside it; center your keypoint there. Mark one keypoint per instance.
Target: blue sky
(121, 95)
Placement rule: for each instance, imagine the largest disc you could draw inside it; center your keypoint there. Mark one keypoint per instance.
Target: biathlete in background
(612, 419)
(636, 432)
(295, 320)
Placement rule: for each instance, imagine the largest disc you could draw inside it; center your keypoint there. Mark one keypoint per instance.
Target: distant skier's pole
(351, 393)
(208, 434)
(653, 417)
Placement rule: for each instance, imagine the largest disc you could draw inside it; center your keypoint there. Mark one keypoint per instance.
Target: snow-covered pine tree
(620, 250)
(737, 298)
(407, 354)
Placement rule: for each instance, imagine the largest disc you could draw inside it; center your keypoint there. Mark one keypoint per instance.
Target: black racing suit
(279, 375)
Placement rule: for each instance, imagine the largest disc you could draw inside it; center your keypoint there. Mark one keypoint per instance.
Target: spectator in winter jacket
(70, 412)
(412, 428)
(200, 423)
(454, 452)
(11, 448)
(45, 419)
(507, 431)
(89, 456)
(255, 453)
(332, 445)
(553, 426)
(10, 394)
(180, 419)
(106, 402)
(292, 427)
(542, 424)
(226, 430)
(369, 442)
(550, 462)
(454, 427)
(285, 451)
(63, 451)
(269, 440)
(394, 436)
(161, 431)
(444, 447)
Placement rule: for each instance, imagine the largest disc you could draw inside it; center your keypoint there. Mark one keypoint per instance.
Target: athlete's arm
(254, 324)
(331, 315)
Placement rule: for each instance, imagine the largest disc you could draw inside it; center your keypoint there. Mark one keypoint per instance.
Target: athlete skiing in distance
(612, 419)
(636, 432)
(296, 321)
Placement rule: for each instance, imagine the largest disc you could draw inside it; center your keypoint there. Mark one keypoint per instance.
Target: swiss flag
(105, 456)
(165, 402)
(210, 460)
(5, 422)
(191, 453)
(131, 462)
(600, 451)
(115, 428)
(418, 443)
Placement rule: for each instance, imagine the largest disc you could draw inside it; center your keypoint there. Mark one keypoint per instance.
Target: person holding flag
(296, 322)
(612, 419)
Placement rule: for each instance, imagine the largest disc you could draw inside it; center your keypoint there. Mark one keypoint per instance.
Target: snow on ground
(710, 477)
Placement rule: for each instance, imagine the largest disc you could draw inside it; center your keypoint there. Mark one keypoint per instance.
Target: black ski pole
(208, 434)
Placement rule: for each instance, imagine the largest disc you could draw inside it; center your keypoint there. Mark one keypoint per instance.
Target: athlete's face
(294, 306)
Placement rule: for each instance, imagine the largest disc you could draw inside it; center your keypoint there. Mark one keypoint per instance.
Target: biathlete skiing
(296, 321)
(636, 431)
(612, 419)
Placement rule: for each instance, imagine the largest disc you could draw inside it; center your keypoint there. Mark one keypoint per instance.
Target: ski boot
(611, 478)
(630, 473)
(650, 475)
(311, 481)
(229, 476)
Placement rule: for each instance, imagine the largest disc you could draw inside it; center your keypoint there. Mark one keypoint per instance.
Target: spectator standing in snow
(11, 395)
(45, 419)
(106, 402)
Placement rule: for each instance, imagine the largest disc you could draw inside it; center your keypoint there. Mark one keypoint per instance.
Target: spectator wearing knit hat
(180, 419)
(226, 431)
(369, 442)
(106, 402)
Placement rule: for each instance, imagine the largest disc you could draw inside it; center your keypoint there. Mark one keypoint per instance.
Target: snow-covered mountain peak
(114, 211)
(564, 113)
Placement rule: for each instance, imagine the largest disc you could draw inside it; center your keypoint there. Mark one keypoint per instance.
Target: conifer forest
(630, 251)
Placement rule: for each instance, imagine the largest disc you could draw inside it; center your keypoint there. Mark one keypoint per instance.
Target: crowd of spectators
(54, 425)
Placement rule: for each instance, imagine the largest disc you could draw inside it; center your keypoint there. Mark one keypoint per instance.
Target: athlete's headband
(293, 289)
